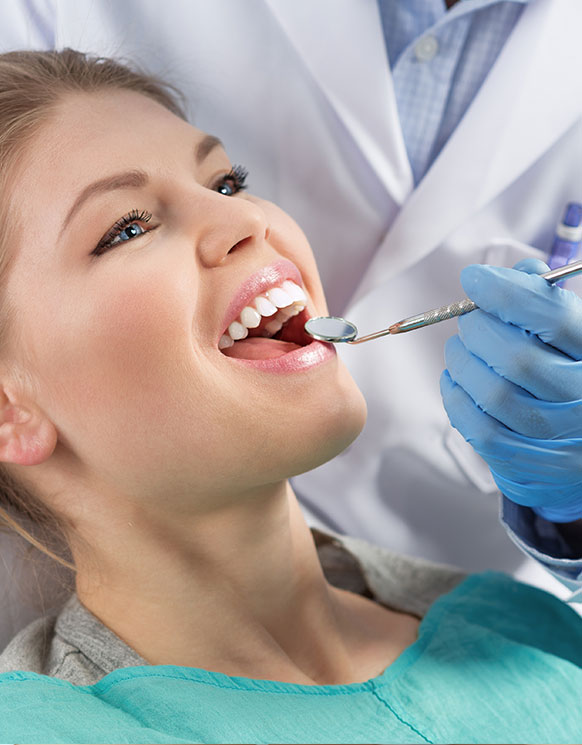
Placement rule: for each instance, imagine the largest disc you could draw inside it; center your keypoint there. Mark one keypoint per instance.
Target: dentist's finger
(510, 404)
(528, 301)
(520, 357)
(477, 427)
(525, 470)
(532, 266)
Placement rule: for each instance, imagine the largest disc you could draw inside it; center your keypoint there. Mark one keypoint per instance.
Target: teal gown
(495, 661)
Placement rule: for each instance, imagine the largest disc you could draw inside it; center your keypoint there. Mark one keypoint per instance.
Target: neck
(240, 591)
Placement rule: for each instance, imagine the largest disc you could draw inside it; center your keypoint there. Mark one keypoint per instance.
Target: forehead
(85, 138)
(88, 135)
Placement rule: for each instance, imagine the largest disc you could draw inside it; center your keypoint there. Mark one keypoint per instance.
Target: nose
(229, 223)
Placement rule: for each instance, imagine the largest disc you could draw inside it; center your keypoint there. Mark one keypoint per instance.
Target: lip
(300, 360)
(258, 283)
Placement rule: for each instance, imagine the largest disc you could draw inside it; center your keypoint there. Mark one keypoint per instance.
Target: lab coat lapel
(527, 102)
(356, 82)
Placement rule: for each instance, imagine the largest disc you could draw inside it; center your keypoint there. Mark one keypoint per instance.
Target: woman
(157, 392)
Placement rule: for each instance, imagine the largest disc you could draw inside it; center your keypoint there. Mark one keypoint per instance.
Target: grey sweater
(75, 646)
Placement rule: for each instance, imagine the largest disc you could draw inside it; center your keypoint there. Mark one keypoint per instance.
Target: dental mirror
(334, 329)
(331, 329)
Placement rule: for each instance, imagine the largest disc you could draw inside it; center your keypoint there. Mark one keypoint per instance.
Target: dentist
(409, 140)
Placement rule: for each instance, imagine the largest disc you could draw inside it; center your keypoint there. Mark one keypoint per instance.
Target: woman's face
(134, 252)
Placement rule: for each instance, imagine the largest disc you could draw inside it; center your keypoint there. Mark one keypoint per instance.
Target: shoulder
(40, 648)
(520, 612)
(30, 648)
(404, 583)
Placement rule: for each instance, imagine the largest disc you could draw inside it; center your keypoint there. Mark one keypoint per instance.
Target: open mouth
(270, 326)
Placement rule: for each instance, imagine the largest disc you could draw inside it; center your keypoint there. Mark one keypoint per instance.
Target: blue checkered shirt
(439, 58)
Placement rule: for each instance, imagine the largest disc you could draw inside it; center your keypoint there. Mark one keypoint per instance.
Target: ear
(27, 437)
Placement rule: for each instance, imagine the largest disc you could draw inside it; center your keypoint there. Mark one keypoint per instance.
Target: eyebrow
(135, 178)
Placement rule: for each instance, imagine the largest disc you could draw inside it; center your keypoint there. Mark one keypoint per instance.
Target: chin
(334, 425)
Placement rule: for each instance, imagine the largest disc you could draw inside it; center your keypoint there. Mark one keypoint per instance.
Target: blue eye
(130, 232)
(131, 225)
(226, 189)
(125, 229)
(232, 182)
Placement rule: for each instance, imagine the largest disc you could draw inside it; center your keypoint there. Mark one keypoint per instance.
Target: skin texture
(169, 459)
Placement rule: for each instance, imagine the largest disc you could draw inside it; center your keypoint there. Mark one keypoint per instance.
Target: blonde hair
(31, 85)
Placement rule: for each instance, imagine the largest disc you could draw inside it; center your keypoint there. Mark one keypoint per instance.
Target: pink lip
(299, 360)
(257, 284)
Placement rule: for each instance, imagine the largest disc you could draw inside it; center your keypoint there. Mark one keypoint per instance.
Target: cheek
(120, 351)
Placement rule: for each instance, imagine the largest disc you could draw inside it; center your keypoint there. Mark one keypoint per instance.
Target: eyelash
(237, 175)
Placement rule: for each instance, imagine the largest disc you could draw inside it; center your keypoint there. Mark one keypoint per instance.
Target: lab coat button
(426, 48)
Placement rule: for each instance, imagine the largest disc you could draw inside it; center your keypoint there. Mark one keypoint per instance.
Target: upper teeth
(280, 302)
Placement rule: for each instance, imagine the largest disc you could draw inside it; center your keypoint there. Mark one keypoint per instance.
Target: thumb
(532, 266)
(529, 302)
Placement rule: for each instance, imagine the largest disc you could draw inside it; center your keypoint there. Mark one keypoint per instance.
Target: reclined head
(152, 358)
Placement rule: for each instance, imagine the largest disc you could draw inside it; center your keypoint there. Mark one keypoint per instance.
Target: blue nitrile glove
(513, 387)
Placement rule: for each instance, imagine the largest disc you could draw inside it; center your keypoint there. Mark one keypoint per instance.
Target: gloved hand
(513, 385)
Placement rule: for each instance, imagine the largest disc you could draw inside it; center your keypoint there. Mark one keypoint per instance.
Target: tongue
(259, 348)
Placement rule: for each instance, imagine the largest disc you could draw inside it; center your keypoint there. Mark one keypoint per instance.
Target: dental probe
(335, 330)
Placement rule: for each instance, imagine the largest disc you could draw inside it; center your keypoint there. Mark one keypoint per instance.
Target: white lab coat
(301, 93)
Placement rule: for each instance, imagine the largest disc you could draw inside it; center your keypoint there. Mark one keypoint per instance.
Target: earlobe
(27, 437)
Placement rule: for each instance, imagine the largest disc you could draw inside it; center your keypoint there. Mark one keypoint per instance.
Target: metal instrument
(337, 330)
